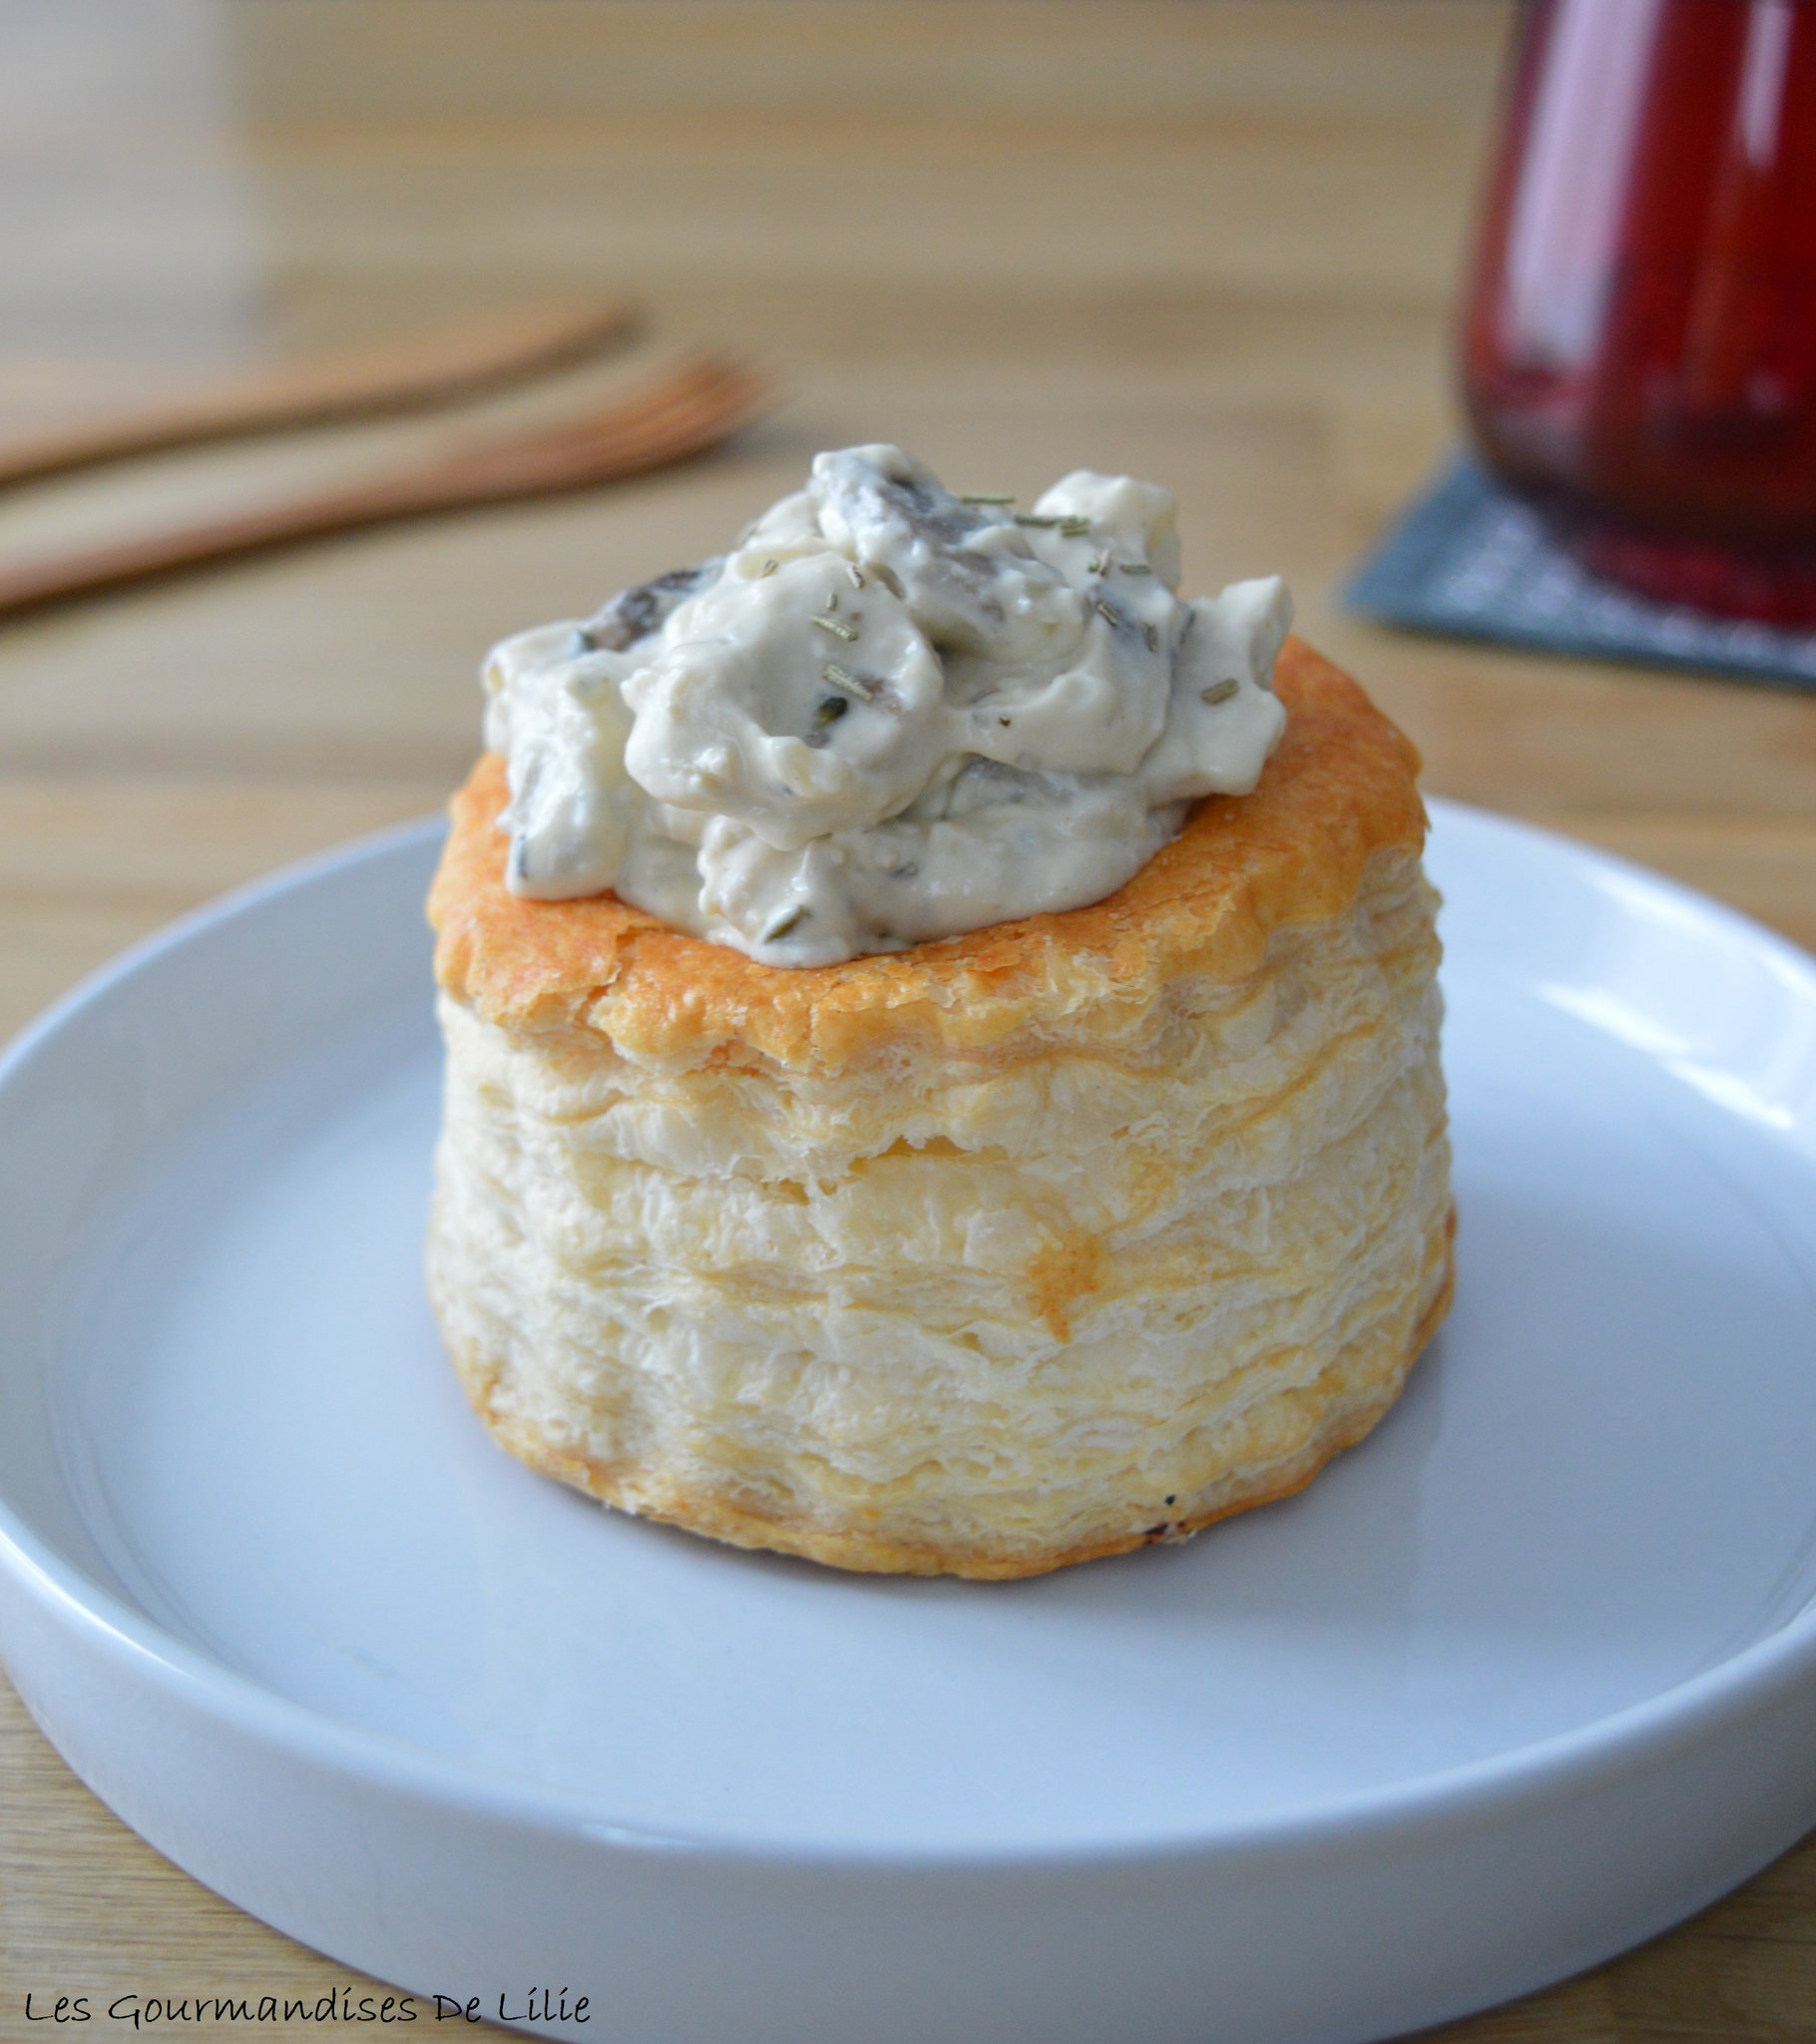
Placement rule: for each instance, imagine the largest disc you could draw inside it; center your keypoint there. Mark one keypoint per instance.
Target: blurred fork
(374, 382)
(683, 414)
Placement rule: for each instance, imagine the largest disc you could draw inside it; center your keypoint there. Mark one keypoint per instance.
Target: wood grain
(1215, 244)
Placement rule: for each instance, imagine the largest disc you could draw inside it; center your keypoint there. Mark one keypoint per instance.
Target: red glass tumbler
(1640, 342)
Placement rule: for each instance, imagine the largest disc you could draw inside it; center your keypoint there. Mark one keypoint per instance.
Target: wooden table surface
(1216, 244)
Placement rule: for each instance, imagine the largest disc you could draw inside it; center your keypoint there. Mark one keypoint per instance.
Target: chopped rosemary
(830, 710)
(842, 678)
(1134, 567)
(1108, 612)
(835, 626)
(1152, 637)
(1074, 528)
(833, 601)
(857, 581)
(1038, 518)
(986, 500)
(768, 568)
(1221, 692)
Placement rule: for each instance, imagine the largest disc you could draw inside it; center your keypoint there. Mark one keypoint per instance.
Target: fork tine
(688, 410)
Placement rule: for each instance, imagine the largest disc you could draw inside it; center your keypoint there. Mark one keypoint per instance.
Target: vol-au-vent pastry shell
(1004, 1252)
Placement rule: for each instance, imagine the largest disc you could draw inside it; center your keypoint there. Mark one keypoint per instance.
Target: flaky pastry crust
(1026, 1247)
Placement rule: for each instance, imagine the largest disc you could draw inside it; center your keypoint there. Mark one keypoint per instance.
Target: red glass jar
(1639, 342)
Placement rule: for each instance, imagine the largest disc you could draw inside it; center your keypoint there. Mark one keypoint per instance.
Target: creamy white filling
(888, 715)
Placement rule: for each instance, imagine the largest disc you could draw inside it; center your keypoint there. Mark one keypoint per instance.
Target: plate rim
(1644, 1732)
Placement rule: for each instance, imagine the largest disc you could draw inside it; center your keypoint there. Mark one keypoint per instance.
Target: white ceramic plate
(1525, 1678)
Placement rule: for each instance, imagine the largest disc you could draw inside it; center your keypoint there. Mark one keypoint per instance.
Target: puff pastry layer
(1030, 1245)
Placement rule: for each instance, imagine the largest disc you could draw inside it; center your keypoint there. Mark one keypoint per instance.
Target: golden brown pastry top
(1340, 787)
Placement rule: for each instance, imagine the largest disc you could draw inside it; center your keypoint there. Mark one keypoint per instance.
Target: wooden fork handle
(683, 415)
(408, 376)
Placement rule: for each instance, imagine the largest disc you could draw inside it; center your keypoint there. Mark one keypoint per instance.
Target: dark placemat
(1471, 561)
